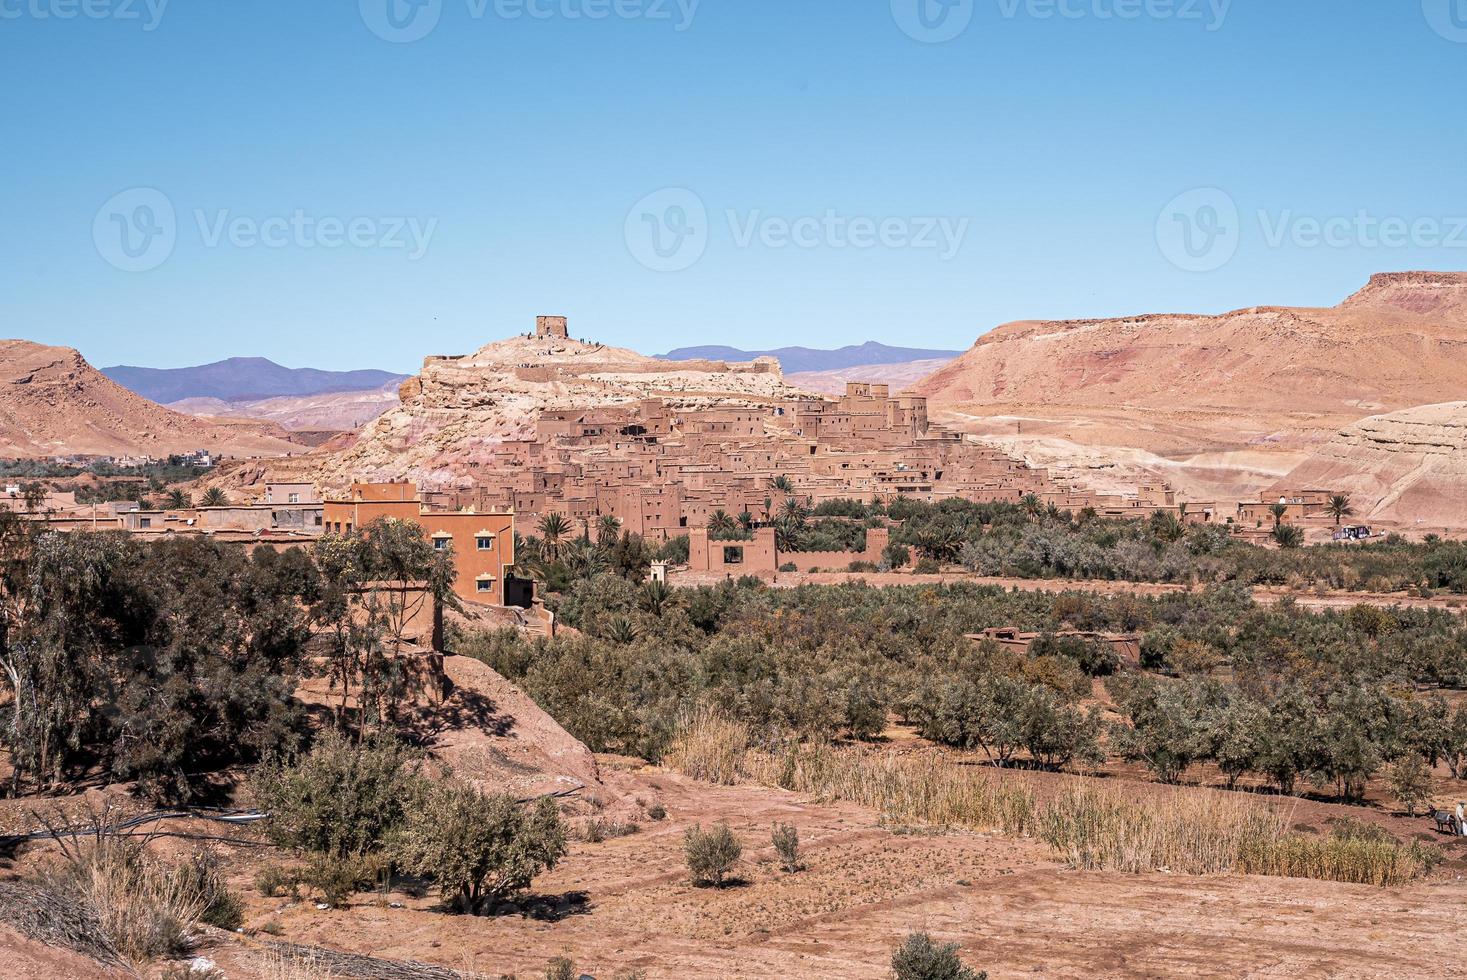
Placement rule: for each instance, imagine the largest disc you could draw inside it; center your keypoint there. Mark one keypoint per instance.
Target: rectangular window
(733, 556)
(295, 498)
(484, 543)
(440, 544)
(484, 585)
(145, 522)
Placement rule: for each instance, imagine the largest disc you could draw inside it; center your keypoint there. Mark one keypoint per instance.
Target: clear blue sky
(1053, 132)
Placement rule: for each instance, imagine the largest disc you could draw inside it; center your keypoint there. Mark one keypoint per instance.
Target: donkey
(1446, 821)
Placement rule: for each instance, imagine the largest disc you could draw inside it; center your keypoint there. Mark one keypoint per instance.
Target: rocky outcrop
(1408, 467)
(459, 408)
(53, 402)
(1252, 376)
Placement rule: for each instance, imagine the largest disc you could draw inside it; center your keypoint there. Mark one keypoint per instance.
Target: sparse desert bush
(479, 848)
(561, 968)
(919, 957)
(146, 909)
(711, 854)
(786, 841)
(657, 812)
(273, 880)
(341, 799)
(596, 830)
(202, 872)
(338, 877)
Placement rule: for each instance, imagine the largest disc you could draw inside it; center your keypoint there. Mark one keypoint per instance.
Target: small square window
(441, 544)
(484, 585)
(484, 543)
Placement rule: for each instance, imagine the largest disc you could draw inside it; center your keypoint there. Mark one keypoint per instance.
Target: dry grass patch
(1090, 826)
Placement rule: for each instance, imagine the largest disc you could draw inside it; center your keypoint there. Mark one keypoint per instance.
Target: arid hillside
(900, 376)
(339, 411)
(52, 401)
(453, 414)
(1177, 384)
(1406, 467)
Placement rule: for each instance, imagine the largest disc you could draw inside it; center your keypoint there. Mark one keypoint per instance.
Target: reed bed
(1090, 826)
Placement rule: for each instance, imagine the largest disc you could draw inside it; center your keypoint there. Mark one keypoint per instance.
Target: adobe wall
(877, 539)
(713, 557)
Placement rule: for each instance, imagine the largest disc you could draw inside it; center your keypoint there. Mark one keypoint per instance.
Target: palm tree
(721, 525)
(553, 529)
(1339, 507)
(607, 529)
(782, 484)
(1278, 511)
(655, 596)
(1032, 506)
(746, 521)
(793, 510)
(214, 497)
(178, 500)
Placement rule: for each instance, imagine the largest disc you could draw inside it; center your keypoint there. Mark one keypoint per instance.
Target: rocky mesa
(53, 402)
(1174, 383)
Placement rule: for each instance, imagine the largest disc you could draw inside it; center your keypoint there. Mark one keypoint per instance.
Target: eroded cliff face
(458, 409)
(1408, 466)
(1252, 376)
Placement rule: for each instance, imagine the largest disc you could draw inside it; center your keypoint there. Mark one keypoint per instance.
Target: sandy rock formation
(53, 402)
(1175, 383)
(460, 406)
(1408, 467)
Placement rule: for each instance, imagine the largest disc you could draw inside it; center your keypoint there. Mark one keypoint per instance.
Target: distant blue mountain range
(242, 379)
(794, 359)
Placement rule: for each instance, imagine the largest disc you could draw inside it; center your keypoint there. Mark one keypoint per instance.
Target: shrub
(1410, 780)
(786, 841)
(657, 812)
(341, 799)
(711, 855)
(920, 958)
(338, 877)
(789, 566)
(272, 880)
(896, 555)
(927, 566)
(561, 968)
(709, 748)
(221, 908)
(144, 908)
(479, 848)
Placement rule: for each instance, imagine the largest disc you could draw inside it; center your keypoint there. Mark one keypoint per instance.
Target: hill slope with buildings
(1177, 383)
(52, 402)
(452, 415)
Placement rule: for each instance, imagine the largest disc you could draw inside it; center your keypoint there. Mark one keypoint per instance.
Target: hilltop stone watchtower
(553, 327)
